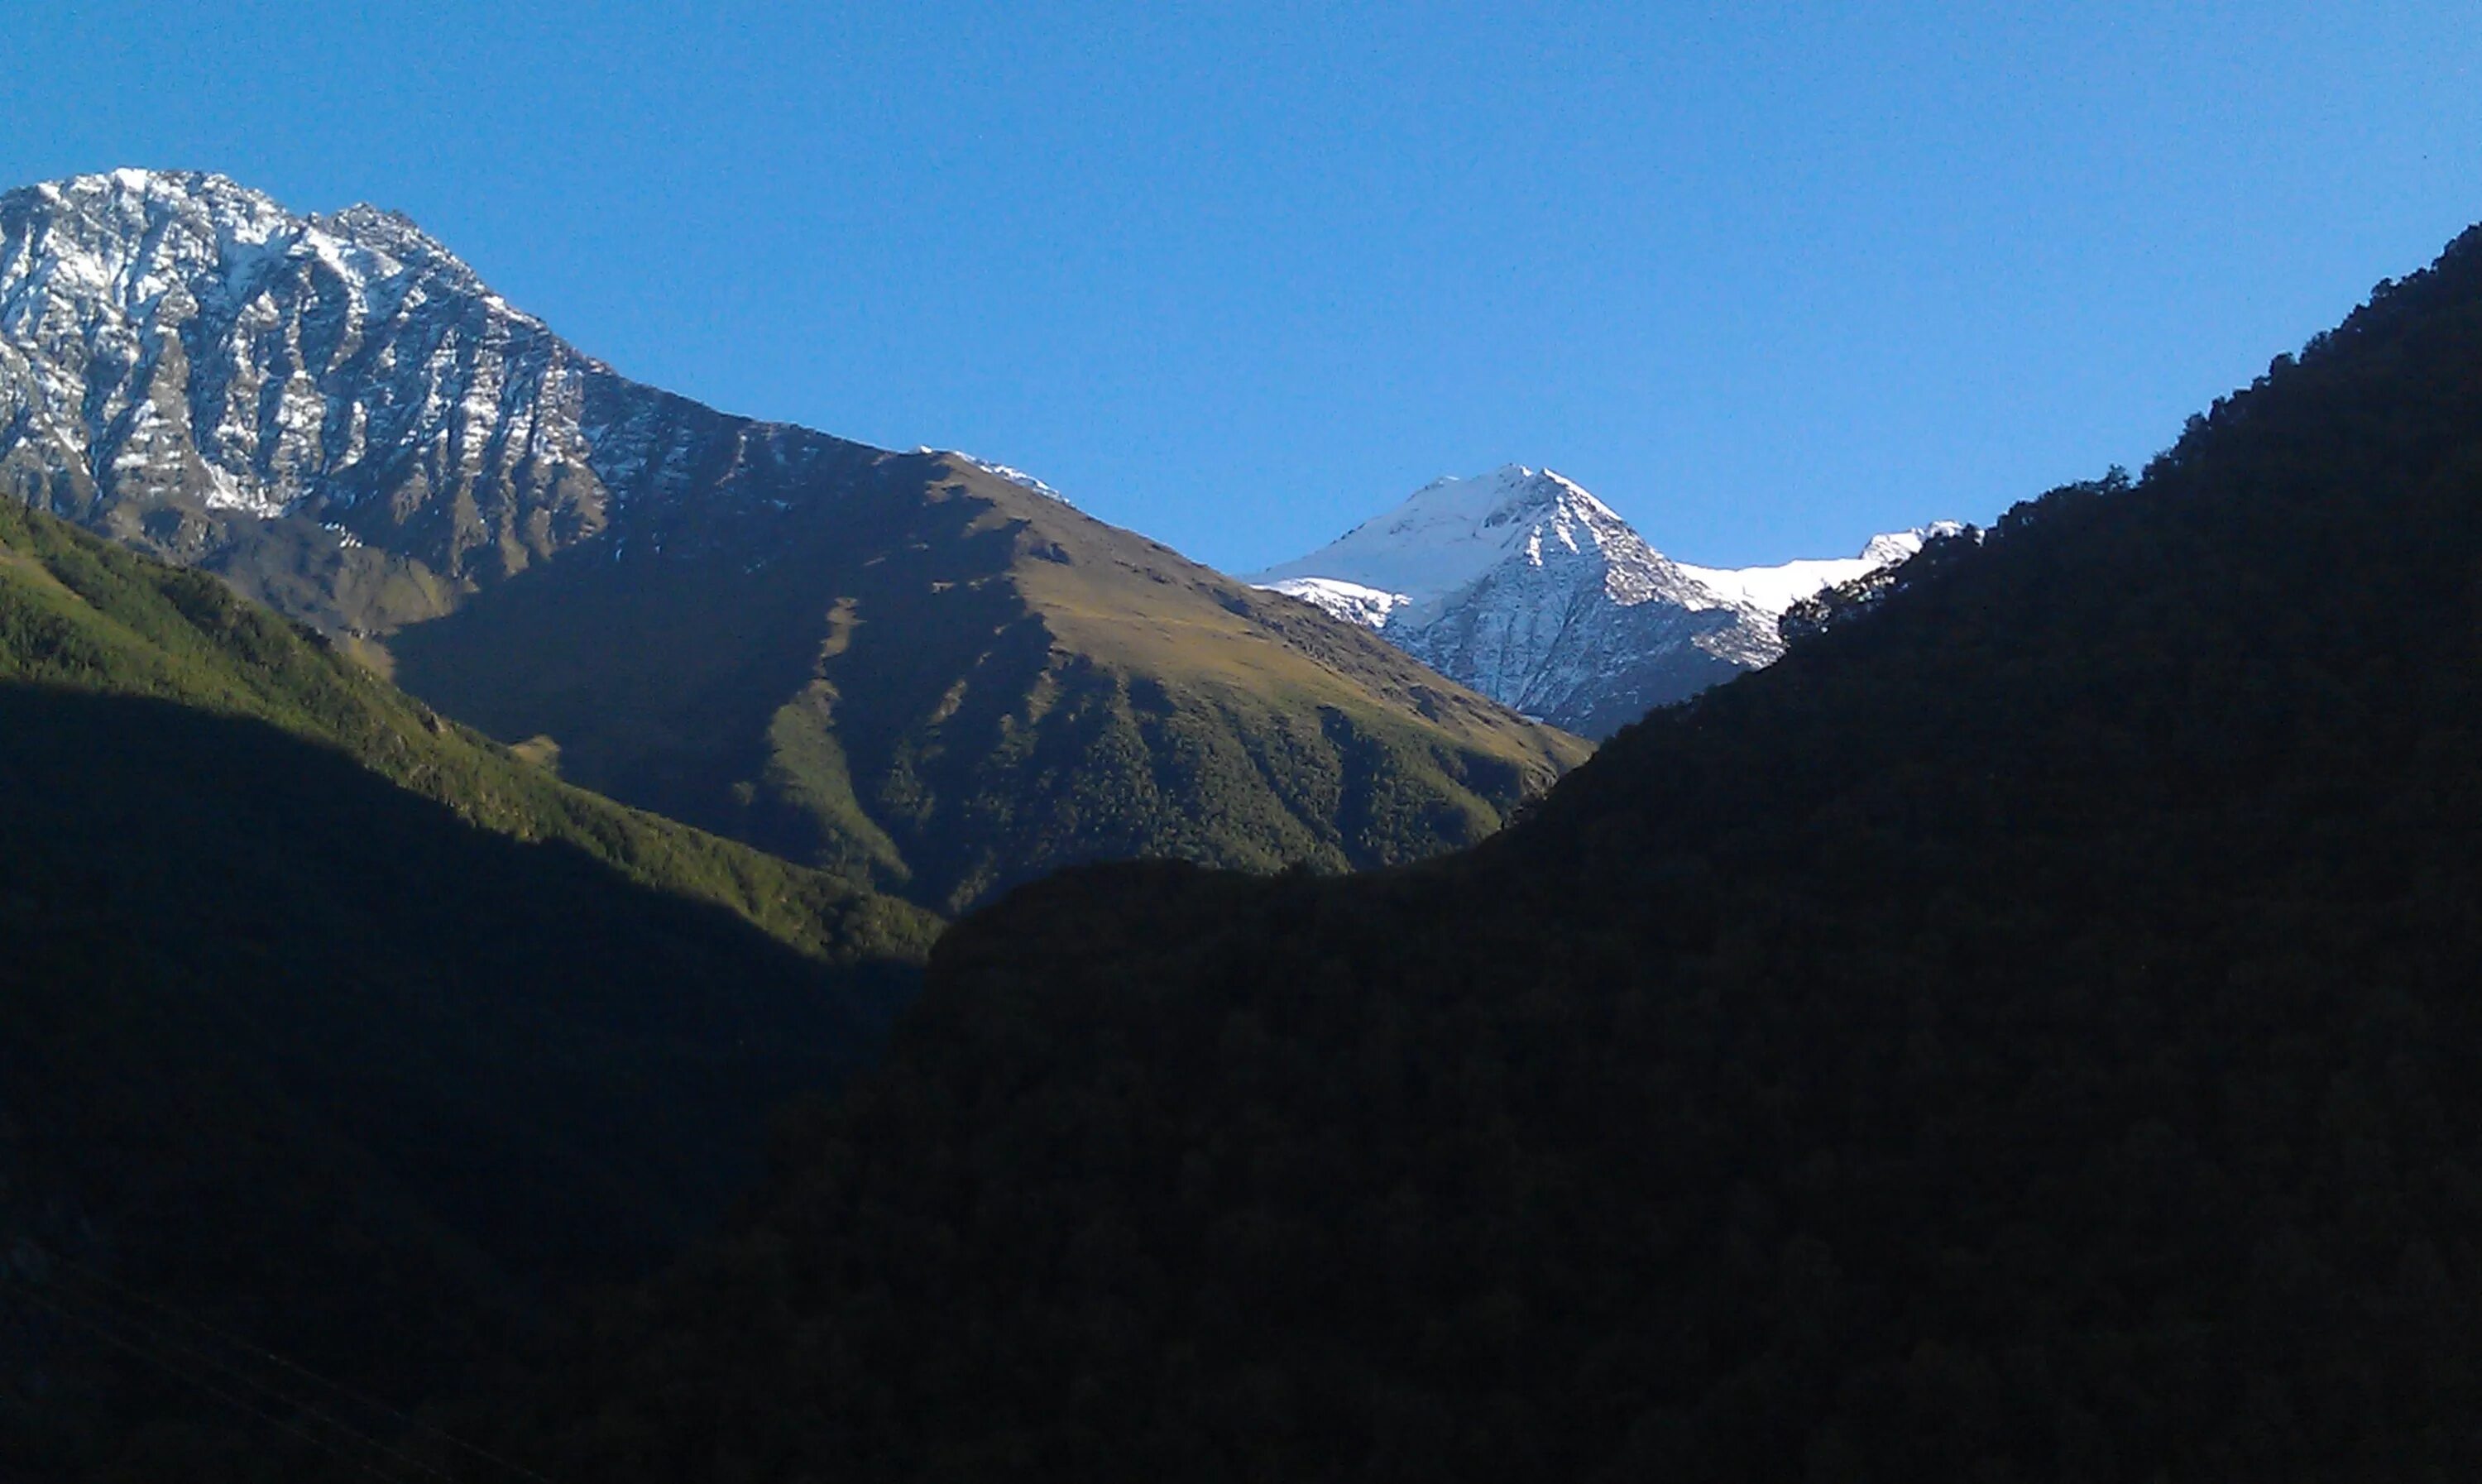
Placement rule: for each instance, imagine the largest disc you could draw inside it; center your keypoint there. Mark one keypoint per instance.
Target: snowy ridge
(179, 353)
(1523, 585)
(175, 325)
(1776, 589)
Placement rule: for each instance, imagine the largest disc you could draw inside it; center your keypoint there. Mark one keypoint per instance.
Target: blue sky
(1767, 278)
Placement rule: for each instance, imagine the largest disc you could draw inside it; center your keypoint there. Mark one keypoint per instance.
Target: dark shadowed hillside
(2026, 1034)
(336, 1026)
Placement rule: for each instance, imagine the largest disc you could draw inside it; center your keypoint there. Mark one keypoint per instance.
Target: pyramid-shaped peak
(1509, 489)
(1510, 477)
(1452, 531)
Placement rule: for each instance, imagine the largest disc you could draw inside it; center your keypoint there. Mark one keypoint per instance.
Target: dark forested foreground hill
(2029, 1033)
(334, 1026)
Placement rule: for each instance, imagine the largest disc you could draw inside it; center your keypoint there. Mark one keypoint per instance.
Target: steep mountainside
(1523, 586)
(333, 412)
(945, 683)
(336, 1026)
(2025, 1033)
(914, 667)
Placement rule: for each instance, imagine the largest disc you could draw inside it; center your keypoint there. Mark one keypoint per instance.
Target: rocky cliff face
(332, 410)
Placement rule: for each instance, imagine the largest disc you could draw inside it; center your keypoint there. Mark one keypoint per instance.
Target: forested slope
(339, 1027)
(2028, 1033)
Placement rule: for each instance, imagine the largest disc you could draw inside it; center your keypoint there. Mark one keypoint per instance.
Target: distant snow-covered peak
(1451, 532)
(1896, 545)
(1524, 586)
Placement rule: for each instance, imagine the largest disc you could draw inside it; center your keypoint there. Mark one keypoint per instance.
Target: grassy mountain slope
(82, 614)
(338, 1027)
(2025, 1034)
(946, 684)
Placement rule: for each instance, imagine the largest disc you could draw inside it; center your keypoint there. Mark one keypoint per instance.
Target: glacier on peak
(1523, 585)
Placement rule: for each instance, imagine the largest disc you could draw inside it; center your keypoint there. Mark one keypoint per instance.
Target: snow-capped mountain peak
(1524, 586)
(128, 236)
(1452, 531)
(179, 353)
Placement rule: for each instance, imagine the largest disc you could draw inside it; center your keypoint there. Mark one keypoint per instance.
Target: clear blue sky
(1767, 278)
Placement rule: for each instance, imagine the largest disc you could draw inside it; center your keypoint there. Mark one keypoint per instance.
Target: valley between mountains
(332, 1022)
(551, 932)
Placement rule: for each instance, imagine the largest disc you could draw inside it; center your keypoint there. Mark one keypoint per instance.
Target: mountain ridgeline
(336, 1026)
(2025, 1033)
(905, 668)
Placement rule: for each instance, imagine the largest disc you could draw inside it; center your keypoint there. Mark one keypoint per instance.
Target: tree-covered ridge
(2025, 1034)
(333, 1026)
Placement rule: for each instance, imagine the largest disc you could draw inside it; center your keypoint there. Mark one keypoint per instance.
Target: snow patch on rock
(1351, 601)
(1015, 476)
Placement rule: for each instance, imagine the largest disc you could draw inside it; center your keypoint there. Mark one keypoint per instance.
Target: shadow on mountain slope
(307, 1055)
